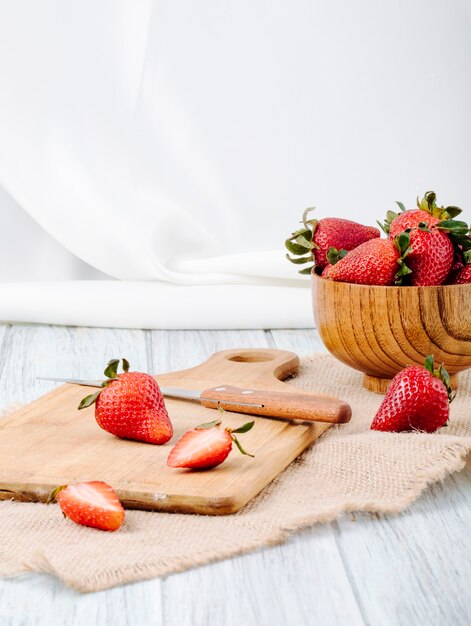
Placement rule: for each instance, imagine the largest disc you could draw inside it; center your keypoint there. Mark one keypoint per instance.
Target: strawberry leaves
(301, 243)
(390, 217)
(111, 372)
(242, 429)
(232, 431)
(89, 400)
(334, 255)
(441, 374)
(402, 243)
(429, 204)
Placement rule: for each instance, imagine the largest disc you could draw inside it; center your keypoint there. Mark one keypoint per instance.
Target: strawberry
(131, 406)
(418, 398)
(427, 212)
(326, 271)
(375, 262)
(462, 276)
(316, 237)
(92, 504)
(411, 219)
(435, 238)
(431, 257)
(206, 446)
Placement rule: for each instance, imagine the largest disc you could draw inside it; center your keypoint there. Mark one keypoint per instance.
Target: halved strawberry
(206, 446)
(92, 504)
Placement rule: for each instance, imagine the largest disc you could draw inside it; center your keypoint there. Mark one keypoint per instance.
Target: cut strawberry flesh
(92, 504)
(201, 448)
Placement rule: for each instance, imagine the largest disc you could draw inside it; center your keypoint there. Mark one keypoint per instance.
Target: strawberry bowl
(380, 330)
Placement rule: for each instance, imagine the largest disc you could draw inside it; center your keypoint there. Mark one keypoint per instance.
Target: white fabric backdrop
(173, 146)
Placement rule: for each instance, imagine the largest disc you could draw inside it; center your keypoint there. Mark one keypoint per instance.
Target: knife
(289, 405)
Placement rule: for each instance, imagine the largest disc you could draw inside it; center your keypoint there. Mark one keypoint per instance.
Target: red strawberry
(427, 212)
(205, 446)
(131, 406)
(92, 504)
(326, 271)
(418, 398)
(431, 256)
(411, 219)
(333, 232)
(375, 262)
(463, 276)
(316, 237)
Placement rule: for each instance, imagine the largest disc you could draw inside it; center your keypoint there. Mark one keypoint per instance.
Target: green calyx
(53, 495)
(390, 217)
(111, 372)
(402, 243)
(441, 374)
(301, 243)
(459, 233)
(232, 431)
(334, 256)
(429, 204)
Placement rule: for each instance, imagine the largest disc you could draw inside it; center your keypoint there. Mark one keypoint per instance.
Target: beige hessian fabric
(349, 469)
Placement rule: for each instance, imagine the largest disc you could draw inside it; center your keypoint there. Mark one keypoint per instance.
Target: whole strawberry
(206, 446)
(412, 218)
(435, 238)
(375, 262)
(316, 237)
(418, 398)
(431, 256)
(130, 406)
(92, 504)
(427, 212)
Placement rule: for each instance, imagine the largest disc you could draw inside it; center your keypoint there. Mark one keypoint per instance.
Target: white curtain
(154, 155)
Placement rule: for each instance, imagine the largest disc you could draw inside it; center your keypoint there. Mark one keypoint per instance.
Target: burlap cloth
(349, 469)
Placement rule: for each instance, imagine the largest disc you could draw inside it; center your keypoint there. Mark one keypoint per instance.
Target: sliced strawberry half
(92, 504)
(206, 446)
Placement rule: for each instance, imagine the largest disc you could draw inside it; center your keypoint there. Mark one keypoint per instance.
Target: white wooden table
(413, 568)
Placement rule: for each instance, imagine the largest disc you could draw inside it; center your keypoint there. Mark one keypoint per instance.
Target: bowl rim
(315, 276)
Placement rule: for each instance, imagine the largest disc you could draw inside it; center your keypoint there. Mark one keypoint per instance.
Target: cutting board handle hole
(250, 358)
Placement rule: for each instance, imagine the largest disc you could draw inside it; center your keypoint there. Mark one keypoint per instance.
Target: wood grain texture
(282, 404)
(381, 330)
(64, 446)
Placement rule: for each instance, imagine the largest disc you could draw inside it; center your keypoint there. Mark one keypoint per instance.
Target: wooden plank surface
(406, 569)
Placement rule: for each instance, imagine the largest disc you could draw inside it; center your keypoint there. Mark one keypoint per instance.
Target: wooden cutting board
(49, 443)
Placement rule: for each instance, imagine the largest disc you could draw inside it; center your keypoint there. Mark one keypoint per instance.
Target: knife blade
(292, 404)
(171, 392)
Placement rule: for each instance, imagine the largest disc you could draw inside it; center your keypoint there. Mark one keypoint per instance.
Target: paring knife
(290, 405)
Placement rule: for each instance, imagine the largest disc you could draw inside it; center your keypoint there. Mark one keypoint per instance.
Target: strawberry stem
(53, 495)
(301, 243)
(441, 374)
(111, 372)
(241, 449)
(206, 425)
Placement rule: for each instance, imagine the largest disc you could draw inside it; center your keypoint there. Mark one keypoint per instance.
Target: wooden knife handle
(291, 405)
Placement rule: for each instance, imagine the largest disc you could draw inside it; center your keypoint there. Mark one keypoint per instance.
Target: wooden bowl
(381, 330)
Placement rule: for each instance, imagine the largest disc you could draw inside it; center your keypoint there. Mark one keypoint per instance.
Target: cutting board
(49, 443)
